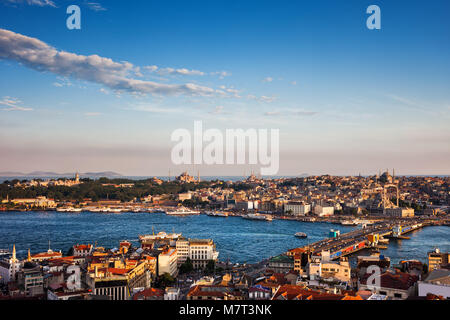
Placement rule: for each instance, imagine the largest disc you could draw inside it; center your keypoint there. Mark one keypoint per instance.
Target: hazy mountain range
(55, 174)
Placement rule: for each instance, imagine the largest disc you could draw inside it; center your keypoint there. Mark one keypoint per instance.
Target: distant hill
(55, 174)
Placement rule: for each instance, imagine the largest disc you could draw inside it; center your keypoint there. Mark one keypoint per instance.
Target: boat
(159, 236)
(257, 216)
(68, 209)
(217, 214)
(301, 235)
(349, 223)
(182, 211)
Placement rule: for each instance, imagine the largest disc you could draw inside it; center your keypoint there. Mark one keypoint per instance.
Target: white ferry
(182, 211)
(257, 216)
(160, 236)
(69, 209)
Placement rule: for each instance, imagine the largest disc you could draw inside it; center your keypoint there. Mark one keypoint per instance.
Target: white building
(323, 210)
(9, 268)
(172, 293)
(437, 282)
(297, 208)
(82, 250)
(199, 251)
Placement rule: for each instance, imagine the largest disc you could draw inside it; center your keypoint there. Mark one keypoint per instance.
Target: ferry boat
(349, 223)
(301, 235)
(159, 236)
(182, 211)
(257, 216)
(217, 214)
(68, 209)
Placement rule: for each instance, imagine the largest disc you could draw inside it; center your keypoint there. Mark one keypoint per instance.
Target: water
(236, 239)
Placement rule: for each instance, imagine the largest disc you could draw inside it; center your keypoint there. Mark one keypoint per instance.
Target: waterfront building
(297, 208)
(9, 268)
(184, 196)
(199, 251)
(437, 258)
(323, 210)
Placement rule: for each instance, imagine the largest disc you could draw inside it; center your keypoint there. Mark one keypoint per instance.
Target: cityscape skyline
(347, 100)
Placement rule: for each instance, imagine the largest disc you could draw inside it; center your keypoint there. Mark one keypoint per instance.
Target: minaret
(198, 174)
(14, 258)
(29, 255)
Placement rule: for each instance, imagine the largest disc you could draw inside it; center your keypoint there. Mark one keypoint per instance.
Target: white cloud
(95, 6)
(290, 113)
(13, 104)
(267, 79)
(37, 55)
(40, 3)
(264, 99)
(182, 72)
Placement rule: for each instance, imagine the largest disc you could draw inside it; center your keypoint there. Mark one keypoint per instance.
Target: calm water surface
(237, 239)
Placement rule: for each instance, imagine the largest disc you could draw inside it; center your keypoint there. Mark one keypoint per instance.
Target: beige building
(323, 267)
(167, 262)
(437, 258)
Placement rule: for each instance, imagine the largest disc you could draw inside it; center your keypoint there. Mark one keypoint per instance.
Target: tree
(187, 266)
(166, 280)
(210, 267)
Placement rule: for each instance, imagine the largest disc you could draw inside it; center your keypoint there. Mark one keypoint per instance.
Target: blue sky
(346, 99)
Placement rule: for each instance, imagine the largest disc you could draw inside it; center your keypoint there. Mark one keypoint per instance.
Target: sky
(347, 100)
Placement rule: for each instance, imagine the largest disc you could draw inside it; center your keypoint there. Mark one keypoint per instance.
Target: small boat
(349, 223)
(217, 214)
(301, 235)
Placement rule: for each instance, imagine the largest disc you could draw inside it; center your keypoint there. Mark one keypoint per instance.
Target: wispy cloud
(40, 3)
(290, 113)
(267, 79)
(39, 56)
(217, 110)
(95, 6)
(92, 114)
(265, 99)
(13, 104)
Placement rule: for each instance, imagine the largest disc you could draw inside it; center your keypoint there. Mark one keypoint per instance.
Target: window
(397, 295)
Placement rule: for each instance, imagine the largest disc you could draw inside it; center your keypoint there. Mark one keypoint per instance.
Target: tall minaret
(29, 255)
(14, 258)
(198, 174)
